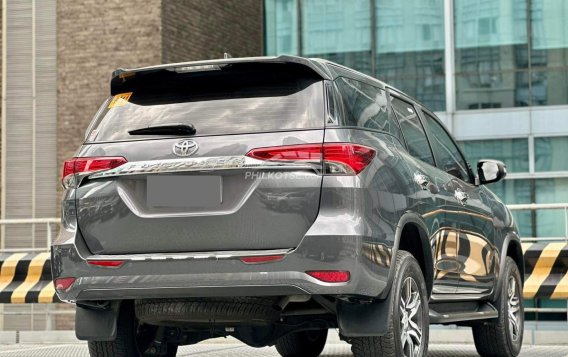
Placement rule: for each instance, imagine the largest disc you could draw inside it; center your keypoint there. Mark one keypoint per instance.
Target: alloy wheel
(513, 309)
(411, 322)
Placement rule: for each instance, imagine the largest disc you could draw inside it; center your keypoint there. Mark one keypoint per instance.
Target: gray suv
(271, 199)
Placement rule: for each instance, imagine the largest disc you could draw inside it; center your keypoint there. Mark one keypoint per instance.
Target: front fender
(510, 238)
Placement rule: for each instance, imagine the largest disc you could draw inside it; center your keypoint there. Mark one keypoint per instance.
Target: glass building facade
(496, 73)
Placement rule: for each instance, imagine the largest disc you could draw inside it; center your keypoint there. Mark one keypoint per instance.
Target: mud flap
(361, 320)
(97, 324)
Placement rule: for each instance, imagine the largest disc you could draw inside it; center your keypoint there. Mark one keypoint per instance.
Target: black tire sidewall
(409, 268)
(511, 269)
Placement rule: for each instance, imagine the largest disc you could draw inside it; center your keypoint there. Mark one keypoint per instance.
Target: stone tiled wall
(204, 29)
(94, 37)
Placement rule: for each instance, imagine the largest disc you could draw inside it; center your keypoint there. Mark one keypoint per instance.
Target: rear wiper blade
(165, 129)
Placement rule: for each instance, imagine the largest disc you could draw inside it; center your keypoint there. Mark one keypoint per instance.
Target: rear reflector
(64, 284)
(331, 276)
(106, 263)
(262, 259)
(79, 165)
(337, 158)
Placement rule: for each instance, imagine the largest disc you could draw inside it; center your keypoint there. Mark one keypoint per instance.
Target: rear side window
(447, 153)
(235, 99)
(413, 131)
(365, 106)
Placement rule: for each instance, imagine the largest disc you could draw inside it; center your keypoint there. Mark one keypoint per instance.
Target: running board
(483, 311)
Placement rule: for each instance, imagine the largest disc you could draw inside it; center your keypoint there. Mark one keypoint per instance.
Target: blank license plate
(184, 191)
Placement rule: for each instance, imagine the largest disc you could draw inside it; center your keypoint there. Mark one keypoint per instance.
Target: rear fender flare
(372, 319)
(418, 222)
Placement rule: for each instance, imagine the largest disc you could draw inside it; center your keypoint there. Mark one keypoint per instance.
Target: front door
(433, 201)
(476, 255)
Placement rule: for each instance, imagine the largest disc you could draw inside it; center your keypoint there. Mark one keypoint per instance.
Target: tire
(504, 337)
(302, 344)
(407, 275)
(126, 343)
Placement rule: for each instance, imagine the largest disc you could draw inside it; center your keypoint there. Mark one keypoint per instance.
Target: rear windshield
(235, 99)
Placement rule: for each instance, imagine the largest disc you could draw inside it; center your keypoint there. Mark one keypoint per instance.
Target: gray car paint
(332, 229)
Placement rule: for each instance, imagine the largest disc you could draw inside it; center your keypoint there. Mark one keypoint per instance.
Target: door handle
(421, 180)
(461, 196)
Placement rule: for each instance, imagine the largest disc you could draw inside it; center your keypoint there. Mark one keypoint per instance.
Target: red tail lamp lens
(338, 158)
(331, 276)
(64, 284)
(78, 165)
(262, 259)
(106, 263)
(307, 152)
(356, 157)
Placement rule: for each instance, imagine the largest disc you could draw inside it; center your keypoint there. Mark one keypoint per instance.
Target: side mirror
(490, 171)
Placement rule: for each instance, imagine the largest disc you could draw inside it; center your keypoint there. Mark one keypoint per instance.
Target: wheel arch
(412, 229)
(511, 248)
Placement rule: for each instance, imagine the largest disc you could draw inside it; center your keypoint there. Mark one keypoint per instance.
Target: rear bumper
(219, 273)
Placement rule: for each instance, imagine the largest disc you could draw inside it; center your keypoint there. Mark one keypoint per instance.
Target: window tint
(447, 154)
(413, 131)
(366, 106)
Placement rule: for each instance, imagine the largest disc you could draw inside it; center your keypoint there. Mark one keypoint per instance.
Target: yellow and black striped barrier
(546, 270)
(26, 278)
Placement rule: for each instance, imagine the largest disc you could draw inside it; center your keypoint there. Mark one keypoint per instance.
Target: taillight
(305, 152)
(79, 165)
(331, 276)
(337, 158)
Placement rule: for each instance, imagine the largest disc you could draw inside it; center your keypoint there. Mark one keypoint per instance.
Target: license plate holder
(184, 191)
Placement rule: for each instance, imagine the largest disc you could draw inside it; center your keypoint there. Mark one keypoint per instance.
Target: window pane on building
(491, 57)
(550, 154)
(280, 26)
(410, 48)
(337, 31)
(513, 152)
(549, 52)
(549, 87)
(517, 192)
(550, 223)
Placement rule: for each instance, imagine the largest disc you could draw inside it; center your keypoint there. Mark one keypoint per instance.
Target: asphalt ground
(236, 350)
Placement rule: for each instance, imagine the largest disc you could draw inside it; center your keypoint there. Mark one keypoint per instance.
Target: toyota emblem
(185, 147)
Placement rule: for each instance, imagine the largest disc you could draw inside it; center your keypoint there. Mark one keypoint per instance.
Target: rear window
(235, 99)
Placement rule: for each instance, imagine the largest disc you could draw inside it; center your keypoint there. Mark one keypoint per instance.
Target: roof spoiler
(121, 75)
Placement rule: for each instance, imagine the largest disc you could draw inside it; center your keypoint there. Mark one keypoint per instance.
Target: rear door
(201, 192)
